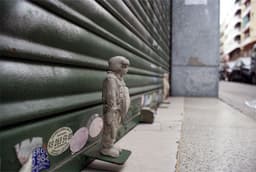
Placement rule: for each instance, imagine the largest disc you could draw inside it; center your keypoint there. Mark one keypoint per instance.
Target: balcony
(246, 1)
(246, 10)
(232, 47)
(237, 7)
(246, 27)
(236, 33)
(246, 41)
(236, 21)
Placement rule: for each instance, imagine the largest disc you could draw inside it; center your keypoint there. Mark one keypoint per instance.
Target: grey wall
(195, 47)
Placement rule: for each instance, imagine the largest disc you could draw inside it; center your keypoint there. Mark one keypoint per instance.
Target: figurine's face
(119, 64)
(124, 68)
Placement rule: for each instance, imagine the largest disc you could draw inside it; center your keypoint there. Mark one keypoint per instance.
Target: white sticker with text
(195, 2)
(59, 141)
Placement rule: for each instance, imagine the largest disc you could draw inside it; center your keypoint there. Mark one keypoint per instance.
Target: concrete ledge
(154, 146)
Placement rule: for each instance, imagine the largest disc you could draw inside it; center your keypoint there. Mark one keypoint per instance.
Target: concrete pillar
(195, 48)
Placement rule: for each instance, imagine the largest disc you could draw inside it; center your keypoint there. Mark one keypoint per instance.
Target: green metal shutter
(53, 59)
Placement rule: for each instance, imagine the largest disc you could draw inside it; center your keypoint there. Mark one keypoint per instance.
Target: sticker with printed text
(59, 141)
(40, 160)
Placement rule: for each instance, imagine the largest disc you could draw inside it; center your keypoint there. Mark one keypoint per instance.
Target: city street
(238, 95)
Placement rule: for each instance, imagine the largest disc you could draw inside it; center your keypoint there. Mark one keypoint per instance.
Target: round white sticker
(142, 100)
(79, 139)
(148, 99)
(59, 141)
(95, 127)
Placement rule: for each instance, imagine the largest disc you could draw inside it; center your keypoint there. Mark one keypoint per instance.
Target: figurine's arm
(127, 102)
(111, 99)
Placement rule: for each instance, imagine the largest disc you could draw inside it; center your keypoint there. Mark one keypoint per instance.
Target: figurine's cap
(115, 62)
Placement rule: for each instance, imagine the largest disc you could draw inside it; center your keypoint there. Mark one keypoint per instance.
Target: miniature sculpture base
(112, 152)
(147, 115)
(120, 160)
(166, 101)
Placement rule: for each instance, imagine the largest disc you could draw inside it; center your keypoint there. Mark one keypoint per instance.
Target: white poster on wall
(195, 2)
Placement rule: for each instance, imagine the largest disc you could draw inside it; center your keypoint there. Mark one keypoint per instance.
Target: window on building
(247, 3)
(247, 33)
(237, 1)
(237, 39)
(238, 13)
(246, 19)
(238, 26)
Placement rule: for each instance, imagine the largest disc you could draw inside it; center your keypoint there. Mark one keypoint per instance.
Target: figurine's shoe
(112, 152)
(118, 149)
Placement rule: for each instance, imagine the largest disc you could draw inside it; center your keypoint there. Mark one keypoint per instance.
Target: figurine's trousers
(110, 133)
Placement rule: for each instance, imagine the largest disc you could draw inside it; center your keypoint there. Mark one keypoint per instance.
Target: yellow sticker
(59, 141)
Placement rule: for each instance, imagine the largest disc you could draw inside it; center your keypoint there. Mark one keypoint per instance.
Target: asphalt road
(238, 95)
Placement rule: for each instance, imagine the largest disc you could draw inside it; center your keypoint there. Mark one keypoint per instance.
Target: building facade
(238, 31)
(195, 48)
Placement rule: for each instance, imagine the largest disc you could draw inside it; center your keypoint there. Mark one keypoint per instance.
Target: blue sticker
(40, 160)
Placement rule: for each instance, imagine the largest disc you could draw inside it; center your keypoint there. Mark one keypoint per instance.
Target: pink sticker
(95, 127)
(79, 139)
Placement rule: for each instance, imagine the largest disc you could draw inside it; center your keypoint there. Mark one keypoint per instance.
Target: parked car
(221, 72)
(253, 70)
(245, 69)
(241, 70)
(228, 67)
(235, 74)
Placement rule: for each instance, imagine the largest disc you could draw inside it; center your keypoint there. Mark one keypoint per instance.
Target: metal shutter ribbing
(54, 57)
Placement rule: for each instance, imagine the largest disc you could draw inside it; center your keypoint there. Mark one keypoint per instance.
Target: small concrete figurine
(116, 102)
(166, 88)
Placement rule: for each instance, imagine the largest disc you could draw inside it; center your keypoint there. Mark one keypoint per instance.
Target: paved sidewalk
(216, 138)
(153, 146)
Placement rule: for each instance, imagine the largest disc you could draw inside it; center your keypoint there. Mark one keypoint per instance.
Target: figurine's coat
(116, 102)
